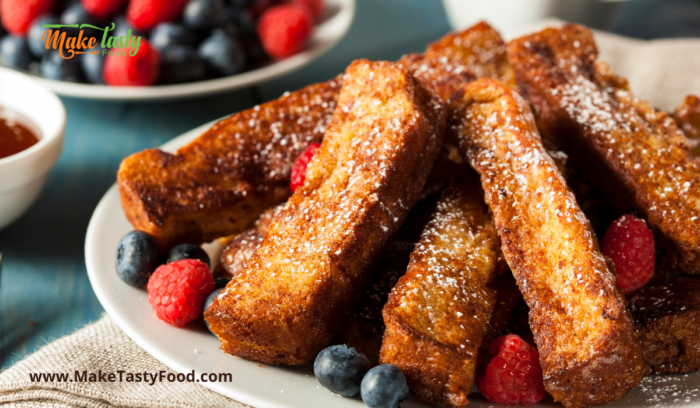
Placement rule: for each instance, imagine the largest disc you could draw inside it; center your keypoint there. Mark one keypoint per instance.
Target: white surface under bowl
(512, 17)
(332, 28)
(23, 175)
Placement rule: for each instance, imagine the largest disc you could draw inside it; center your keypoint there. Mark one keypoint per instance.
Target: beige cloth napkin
(100, 346)
(662, 71)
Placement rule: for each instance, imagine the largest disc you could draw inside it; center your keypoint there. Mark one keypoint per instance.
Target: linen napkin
(100, 347)
(661, 71)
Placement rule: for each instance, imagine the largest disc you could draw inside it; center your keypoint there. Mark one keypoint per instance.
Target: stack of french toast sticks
(451, 189)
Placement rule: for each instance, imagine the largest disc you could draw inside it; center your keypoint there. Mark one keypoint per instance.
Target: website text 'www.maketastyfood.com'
(129, 377)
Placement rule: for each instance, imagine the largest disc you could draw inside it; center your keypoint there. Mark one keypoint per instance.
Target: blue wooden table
(44, 290)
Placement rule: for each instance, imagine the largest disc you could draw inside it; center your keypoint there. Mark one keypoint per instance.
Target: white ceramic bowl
(514, 17)
(23, 175)
(332, 28)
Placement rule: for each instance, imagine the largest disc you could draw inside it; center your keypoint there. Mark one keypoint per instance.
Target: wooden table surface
(44, 290)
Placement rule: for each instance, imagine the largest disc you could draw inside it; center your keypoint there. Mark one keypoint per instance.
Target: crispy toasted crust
(241, 247)
(440, 310)
(479, 48)
(667, 321)
(582, 328)
(298, 290)
(218, 184)
(634, 154)
(440, 75)
(687, 117)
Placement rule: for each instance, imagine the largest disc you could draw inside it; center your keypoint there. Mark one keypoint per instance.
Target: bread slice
(221, 182)
(299, 288)
(631, 152)
(583, 331)
(479, 48)
(439, 311)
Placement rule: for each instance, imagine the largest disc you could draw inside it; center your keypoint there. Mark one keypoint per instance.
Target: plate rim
(326, 36)
(631, 399)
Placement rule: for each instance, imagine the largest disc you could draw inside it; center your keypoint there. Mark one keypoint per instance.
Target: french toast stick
(221, 182)
(366, 328)
(667, 322)
(632, 153)
(241, 247)
(687, 117)
(583, 331)
(480, 48)
(439, 311)
(300, 286)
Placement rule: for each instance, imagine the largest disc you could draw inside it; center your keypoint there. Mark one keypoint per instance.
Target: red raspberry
(513, 374)
(17, 15)
(103, 8)
(630, 244)
(140, 70)
(315, 6)
(177, 291)
(146, 14)
(299, 167)
(284, 29)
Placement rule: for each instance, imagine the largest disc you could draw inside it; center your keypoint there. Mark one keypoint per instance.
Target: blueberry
(254, 49)
(122, 27)
(384, 386)
(15, 52)
(53, 66)
(208, 302)
(180, 64)
(138, 256)
(204, 14)
(36, 32)
(167, 34)
(188, 251)
(220, 283)
(340, 369)
(93, 65)
(241, 4)
(76, 14)
(244, 21)
(223, 54)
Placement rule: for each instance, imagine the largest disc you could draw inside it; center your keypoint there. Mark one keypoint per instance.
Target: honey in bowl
(15, 136)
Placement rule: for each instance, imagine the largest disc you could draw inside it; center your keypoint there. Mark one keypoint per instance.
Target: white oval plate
(263, 386)
(335, 24)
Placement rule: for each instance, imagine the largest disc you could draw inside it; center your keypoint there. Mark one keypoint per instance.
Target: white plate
(253, 384)
(333, 27)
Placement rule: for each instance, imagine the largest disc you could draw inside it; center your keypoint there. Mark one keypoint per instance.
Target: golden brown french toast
(440, 75)
(479, 48)
(299, 288)
(632, 153)
(667, 321)
(365, 330)
(241, 247)
(440, 310)
(221, 182)
(687, 117)
(583, 331)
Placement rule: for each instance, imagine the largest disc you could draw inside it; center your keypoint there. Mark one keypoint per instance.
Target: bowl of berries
(162, 49)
